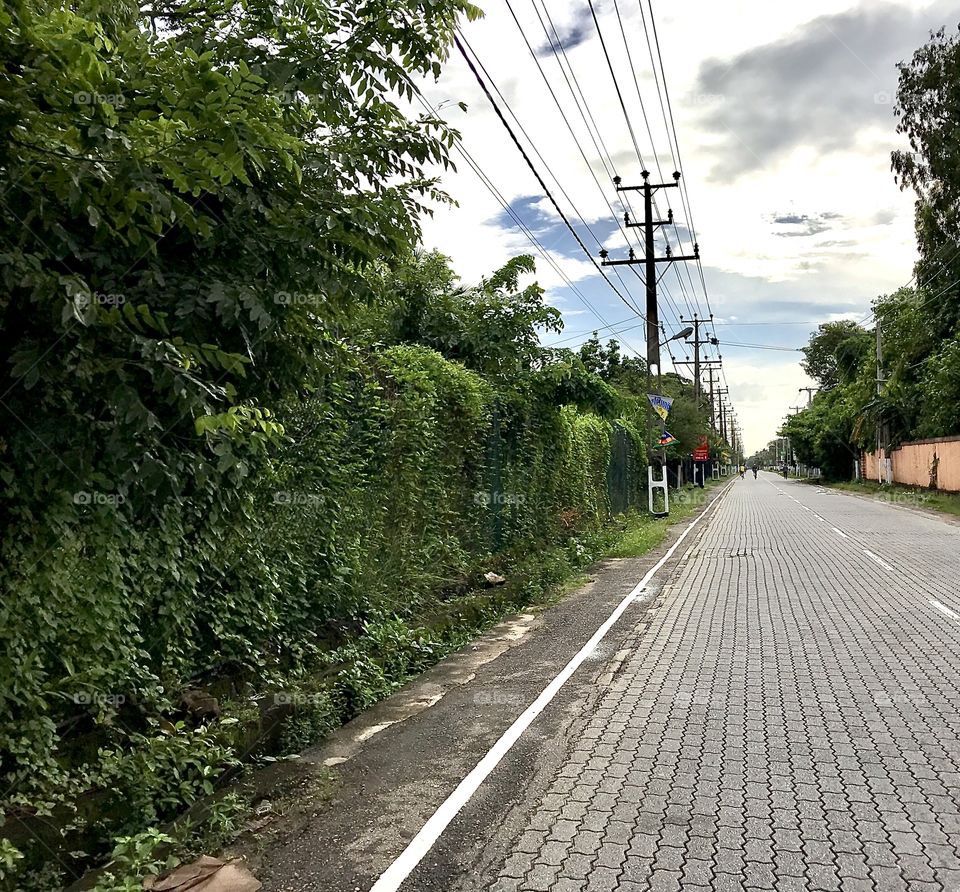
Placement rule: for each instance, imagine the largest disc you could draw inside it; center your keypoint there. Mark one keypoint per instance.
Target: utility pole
(650, 261)
(697, 343)
(796, 409)
(810, 392)
(721, 412)
(713, 414)
(699, 365)
(880, 469)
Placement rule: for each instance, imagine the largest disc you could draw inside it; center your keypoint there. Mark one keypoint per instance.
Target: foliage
(928, 112)
(835, 353)
(492, 328)
(917, 328)
(398, 480)
(688, 421)
(252, 439)
(821, 436)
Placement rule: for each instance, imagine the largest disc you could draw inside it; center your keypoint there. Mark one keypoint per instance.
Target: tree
(192, 195)
(834, 353)
(493, 327)
(822, 435)
(928, 112)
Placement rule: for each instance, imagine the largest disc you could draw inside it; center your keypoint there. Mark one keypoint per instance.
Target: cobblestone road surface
(789, 720)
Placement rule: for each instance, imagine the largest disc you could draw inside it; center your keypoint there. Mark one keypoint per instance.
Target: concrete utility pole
(810, 392)
(699, 365)
(650, 261)
(796, 409)
(713, 411)
(697, 343)
(724, 416)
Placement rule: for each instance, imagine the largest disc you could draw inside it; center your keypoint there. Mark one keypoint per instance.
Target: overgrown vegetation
(919, 326)
(258, 452)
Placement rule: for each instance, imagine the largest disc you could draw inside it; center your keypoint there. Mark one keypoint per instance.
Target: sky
(784, 122)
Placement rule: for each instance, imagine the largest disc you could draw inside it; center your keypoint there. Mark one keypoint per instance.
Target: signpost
(702, 452)
(701, 455)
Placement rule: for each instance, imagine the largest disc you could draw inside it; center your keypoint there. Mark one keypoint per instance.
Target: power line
(566, 121)
(518, 221)
(672, 128)
(534, 170)
(764, 347)
(583, 108)
(626, 117)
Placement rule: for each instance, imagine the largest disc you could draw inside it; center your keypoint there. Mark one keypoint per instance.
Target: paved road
(790, 719)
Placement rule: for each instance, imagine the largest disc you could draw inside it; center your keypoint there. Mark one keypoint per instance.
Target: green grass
(644, 533)
(908, 496)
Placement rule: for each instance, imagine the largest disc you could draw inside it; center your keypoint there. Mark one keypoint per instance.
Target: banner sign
(661, 404)
(702, 452)
(666, 438)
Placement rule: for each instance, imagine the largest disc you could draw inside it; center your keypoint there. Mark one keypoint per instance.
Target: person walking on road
(743, 471)
(754, 472)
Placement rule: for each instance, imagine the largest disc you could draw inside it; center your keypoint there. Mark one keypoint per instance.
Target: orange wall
(912, 463)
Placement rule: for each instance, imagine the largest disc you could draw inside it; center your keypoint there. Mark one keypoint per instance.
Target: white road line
(878, 560)
(819, 517)
(946, 611)
(413, 854)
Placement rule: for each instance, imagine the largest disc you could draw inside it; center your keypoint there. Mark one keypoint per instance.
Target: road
(785, 714)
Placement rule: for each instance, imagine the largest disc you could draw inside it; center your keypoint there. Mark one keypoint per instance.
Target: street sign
(702, 452)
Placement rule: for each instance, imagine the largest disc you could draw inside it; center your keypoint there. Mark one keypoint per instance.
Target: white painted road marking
(946, 611)
(840, 532)
(878, 560)
(413, 854)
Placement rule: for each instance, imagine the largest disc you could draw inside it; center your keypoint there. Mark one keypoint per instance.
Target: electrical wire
(534, 171)
(518, 221)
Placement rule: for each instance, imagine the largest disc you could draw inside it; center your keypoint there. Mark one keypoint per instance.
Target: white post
(658, 484)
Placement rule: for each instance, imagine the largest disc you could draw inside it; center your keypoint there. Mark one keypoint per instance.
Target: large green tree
(928, 112)
(192, 194)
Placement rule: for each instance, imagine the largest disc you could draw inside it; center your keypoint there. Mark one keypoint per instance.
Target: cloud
(571, 35)
(791, 112)
(803, 224)
(818, 86)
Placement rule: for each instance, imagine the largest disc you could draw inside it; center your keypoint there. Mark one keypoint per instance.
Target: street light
(680, 335)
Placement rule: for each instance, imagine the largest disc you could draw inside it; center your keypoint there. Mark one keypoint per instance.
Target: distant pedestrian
(754, 472)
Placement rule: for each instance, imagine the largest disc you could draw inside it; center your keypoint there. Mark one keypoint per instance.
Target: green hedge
(398, 484)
